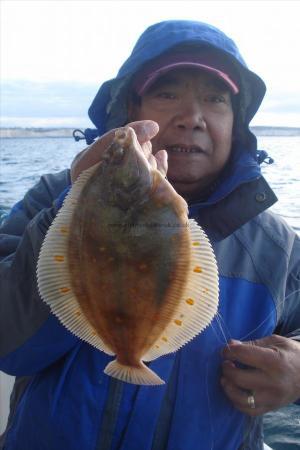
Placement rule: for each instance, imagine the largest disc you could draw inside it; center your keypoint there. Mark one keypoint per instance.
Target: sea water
(24, 160)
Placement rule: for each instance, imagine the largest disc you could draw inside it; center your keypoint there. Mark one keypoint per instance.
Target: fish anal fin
(199, 302)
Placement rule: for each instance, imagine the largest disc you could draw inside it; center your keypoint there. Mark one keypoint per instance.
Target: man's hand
(272, 375)
(145, 131)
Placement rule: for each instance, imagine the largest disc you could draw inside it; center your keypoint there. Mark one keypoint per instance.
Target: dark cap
(207, 61)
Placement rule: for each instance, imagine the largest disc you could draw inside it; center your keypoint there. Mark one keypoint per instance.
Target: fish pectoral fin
(133, 374)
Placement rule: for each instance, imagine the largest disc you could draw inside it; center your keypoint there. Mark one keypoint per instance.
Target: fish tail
(135, 375)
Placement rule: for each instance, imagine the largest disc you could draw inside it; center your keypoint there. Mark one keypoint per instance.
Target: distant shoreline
(18, 132)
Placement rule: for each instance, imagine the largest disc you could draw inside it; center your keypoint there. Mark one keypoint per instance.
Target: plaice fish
(123, 268)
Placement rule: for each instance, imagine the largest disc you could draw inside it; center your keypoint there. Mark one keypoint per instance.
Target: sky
(54, 55)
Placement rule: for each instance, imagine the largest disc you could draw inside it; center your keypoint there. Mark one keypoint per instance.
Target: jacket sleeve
(31, 338)
(289, 324)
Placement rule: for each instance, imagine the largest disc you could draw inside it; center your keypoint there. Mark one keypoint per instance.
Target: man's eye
(166, 95)
(216, 98)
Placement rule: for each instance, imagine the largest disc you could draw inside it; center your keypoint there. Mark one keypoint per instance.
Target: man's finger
(239, 399)
(236, 395)
(249, 379)
(162, 161)
(145, 130)
(252, 353)
(91, 155)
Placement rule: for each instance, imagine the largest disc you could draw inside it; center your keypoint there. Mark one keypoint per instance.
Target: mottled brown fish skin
(128, 252)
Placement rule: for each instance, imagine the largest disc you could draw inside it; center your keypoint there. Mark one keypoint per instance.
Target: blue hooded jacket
(66, 402)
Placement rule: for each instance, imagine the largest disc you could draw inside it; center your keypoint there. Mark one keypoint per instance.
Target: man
(188, 94)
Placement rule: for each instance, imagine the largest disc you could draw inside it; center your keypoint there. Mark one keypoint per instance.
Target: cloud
(44, 100)
(45, 122)
(282, 101)
(279, 108)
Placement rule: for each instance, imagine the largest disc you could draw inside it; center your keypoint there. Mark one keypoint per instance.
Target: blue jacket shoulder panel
(247, 254)
(283, 244)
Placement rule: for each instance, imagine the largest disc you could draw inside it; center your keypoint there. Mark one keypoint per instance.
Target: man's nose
(190, 116)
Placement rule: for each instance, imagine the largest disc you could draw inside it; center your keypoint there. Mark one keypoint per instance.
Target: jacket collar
(242, 193)
(222, 218)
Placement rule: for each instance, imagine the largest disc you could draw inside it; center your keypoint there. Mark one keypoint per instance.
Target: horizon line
(74, 127)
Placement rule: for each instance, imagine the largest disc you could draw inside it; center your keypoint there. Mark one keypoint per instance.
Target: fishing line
(220, 319)
(222, 325)
(268, 316)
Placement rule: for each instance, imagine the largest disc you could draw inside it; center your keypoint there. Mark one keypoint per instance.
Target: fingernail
(150, 126)
(235, 342)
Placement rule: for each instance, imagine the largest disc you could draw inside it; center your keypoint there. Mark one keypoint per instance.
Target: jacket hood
(108, 110)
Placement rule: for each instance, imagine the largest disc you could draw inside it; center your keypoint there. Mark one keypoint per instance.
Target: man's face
(194, 113)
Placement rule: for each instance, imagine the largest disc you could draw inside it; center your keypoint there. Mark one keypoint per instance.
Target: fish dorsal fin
(199, 302)
(54, 282)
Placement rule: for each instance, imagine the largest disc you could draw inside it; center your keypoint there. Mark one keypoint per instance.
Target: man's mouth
(184, 149)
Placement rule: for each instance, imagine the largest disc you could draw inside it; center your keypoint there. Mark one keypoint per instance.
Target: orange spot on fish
(190, 301)
(196, 244)
(64, 230)
(178, 322)
(64, 290)
(197, 269)
(59, 258)
(164, 339)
